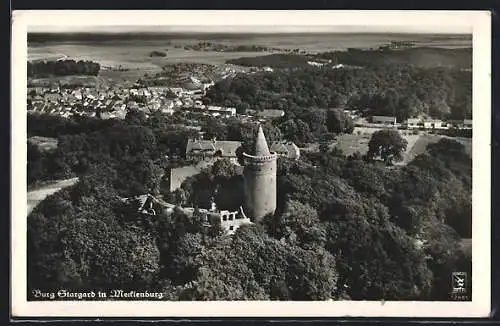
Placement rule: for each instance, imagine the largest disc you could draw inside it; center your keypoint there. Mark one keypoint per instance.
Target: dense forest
(425, 57)
(345, 227)
(40, 69)
(276, 60)
(402, 91)
(129, 145)
(157, 54)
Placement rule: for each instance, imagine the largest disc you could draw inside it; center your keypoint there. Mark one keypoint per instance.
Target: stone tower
(260, 179)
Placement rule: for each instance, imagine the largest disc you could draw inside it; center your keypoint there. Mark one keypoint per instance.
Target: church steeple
(261, 148)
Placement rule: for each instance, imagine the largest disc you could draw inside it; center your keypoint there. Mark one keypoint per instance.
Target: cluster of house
(416, 123)
(437, 124)
(193, 76)
(114, 103)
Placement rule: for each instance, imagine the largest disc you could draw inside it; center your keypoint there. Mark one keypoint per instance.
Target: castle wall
(260, 186)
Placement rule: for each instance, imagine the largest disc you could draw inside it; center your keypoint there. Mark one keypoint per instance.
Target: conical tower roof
(261, 148)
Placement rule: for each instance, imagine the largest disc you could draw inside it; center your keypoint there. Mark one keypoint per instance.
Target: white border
(396, 21)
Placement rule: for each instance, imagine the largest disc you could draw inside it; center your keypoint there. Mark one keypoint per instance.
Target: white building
(167, 110)
(386, 120)
(435, 124)
(221, 110)
(413, 123)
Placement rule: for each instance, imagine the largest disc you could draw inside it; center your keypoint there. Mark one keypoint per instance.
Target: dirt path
(35, 196)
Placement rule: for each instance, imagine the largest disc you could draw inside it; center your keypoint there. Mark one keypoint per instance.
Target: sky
(249, 29)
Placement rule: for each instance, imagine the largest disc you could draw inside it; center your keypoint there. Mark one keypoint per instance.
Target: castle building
(259, 173)
(148, 206)
(260, 179)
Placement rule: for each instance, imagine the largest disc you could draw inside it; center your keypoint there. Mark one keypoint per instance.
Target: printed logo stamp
(459, 286)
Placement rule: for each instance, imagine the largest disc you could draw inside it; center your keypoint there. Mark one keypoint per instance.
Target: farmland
(358, 142)
(134, 53)
(123, 61)
(131, 56)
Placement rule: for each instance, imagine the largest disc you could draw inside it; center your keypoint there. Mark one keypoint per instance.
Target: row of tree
(460, 58)
(136, 147)
(39, 69)
(429, 57)
(278, 60)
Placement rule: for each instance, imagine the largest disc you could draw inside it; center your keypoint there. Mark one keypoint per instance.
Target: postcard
(251, 163)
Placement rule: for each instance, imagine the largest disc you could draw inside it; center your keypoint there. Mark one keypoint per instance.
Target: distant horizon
(248, 29)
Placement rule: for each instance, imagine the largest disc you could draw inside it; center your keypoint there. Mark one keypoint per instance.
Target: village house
(177, 90)
(315, 64)
(414, 123)
(218, 110)
(385, 120)
(285, 149)
(167, 110)
(269, 114)
(37, 99)
(158, 89)
(208, 149)
(52, 97)
(434, 124)
(208, 85)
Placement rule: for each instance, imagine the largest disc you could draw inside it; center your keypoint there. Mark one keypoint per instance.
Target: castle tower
(260, 179)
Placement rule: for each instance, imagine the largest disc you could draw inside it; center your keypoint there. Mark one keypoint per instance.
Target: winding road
(35, 196)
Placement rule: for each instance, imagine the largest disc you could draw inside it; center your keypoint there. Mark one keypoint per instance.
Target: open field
(43, 143)
(83, 80)
(417, 144)
(423, 140)
(39, 193)
(131, 56)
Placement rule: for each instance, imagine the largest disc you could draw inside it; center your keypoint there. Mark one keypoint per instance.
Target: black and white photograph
(174, 159)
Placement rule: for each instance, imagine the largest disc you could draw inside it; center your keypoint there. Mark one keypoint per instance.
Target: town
(113, 103)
